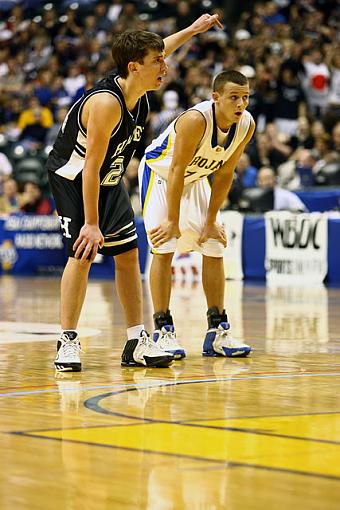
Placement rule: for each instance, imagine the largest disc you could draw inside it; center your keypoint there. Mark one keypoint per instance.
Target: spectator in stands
(245, 172)
(74, 79)
(316, 82)
(270, 149)
(255, 106)
(90, 80)
(102, 21)
(12, 82)
(70, 27)
(289, 102)
(114, 10)
(168, 113)
(43, 89)
(334, 87)
(10, 200)
(336, 137)
(303, 137)
(61, 113)
(245, 176)
(128, 17)
(40, 53)
(298, 171)
(34, 122)
(283, 199)
(60, 97)
(33, 200)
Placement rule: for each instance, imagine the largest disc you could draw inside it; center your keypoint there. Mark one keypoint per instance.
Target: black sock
(215, 317)
(162, 319)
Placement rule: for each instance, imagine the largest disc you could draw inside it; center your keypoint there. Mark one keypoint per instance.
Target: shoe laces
(168, 333)
(148, 343)
(70, 347)
(223, 332)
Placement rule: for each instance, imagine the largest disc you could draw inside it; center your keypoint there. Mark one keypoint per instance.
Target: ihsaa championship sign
(296, 248)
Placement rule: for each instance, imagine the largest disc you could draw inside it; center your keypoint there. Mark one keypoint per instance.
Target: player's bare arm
(222, 182)
(202, 24)
(190, 129)
(106, 108)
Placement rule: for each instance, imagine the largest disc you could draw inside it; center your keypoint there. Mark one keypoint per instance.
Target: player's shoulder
(203, 107)
(105, 99)
(197, 113)
(248, 121)
(191, 121)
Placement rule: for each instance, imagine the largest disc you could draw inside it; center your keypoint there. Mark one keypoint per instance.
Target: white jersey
(209, 156)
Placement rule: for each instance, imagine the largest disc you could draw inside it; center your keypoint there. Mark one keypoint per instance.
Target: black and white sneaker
(143, 351)
(68, 353)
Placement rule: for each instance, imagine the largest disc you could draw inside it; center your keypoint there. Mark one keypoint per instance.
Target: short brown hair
(133, 46)
(228, 76)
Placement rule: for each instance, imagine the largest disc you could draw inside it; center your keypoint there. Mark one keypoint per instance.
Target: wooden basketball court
(205, 434)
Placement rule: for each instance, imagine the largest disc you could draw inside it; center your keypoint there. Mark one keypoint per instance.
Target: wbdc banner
(296, 248)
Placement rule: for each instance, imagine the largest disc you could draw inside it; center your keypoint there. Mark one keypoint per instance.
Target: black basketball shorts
(116, 217)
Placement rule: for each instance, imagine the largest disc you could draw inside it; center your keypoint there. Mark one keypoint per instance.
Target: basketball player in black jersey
(93, 148)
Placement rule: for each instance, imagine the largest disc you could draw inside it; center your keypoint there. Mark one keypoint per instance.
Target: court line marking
(92, 403)
(189, 457)
(164, 382)
(188, 422)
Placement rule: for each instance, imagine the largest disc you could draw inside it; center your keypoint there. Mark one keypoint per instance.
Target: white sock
(135, 331)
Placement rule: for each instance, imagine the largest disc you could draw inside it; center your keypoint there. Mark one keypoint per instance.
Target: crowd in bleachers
(289, 50)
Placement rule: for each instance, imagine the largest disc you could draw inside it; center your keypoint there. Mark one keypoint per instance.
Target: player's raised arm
(202, 24)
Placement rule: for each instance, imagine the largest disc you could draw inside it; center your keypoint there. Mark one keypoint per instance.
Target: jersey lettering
(64, 222)
(211, 165)
(135, 136)
(113, 177)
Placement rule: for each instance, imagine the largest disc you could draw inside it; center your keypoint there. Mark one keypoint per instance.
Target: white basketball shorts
(193, 212)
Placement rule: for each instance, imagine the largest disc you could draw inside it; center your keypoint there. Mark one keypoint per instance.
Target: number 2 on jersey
(113, 177)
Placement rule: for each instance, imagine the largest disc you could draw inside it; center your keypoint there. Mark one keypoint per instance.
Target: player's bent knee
(213, 248)
(127, 258)
(164, 256)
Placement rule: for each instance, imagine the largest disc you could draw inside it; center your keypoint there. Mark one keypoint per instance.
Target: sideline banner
(31, 244)
(233, 224)
(296, 248)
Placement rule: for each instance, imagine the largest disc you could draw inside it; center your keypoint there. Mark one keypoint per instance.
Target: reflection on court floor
(205, 434)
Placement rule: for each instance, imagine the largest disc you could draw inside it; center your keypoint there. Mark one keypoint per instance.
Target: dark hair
(228, 76)
(133, 46)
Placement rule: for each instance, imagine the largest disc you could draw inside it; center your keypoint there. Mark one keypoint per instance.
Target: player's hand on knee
(163, 233)
(86, 246)
(213, 231)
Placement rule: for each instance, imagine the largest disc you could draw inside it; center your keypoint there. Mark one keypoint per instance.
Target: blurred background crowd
(289, 50)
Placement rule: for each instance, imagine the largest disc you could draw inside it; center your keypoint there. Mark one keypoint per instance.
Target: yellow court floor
(259, 433)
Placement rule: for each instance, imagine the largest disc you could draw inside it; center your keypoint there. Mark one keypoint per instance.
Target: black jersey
(68, 153)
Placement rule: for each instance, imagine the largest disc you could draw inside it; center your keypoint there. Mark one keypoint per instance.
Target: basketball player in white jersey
(181, 210)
